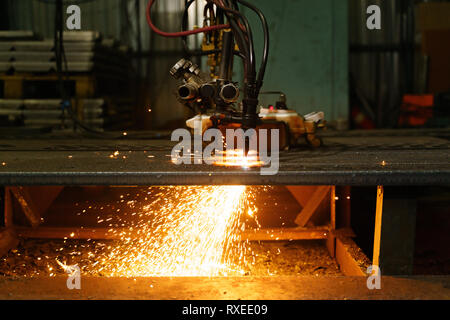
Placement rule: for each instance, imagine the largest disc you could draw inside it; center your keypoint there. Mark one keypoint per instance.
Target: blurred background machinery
(323, 57)
(399, 75)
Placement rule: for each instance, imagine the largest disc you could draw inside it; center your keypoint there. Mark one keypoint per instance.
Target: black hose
(249, 40)
(265, 26)
(242, 44)
(226, 62)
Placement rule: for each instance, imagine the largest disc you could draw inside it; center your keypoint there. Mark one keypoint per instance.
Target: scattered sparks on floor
(163, 231)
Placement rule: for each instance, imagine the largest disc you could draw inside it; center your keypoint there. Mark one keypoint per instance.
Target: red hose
(179, 34)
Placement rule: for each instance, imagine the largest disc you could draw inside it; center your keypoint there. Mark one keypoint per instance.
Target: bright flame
(237, 158)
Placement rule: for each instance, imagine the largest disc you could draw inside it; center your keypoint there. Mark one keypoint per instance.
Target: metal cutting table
(385, 157)
(403, 159)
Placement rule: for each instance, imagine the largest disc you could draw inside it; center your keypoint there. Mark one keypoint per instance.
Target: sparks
(70, 269)
(195, 233)
(164, 231)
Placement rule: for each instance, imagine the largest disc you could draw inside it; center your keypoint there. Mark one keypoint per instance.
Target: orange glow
(196, 233)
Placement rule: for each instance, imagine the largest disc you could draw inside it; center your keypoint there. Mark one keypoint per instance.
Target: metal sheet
(38, 66)
(57, 122)
(81, 35)
(16, 34)
(46, 114)
(46, 104)
(26, 56)
(4, 66)
(5, 46)
(366, 159)
(45, 45)
(44, 56)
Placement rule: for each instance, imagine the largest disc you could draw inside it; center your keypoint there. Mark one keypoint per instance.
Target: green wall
(308, 53)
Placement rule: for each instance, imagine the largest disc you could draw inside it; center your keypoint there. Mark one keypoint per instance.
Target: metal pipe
(187, 91)
(377, 233)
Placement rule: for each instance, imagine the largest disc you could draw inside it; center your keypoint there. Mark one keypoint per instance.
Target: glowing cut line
(237, 158)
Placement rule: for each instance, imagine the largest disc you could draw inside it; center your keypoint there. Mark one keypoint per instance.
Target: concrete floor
(245, 288)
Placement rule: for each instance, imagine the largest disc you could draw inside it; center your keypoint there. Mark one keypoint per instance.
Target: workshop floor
(286, 258)
(244, 288)
(282, 270)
